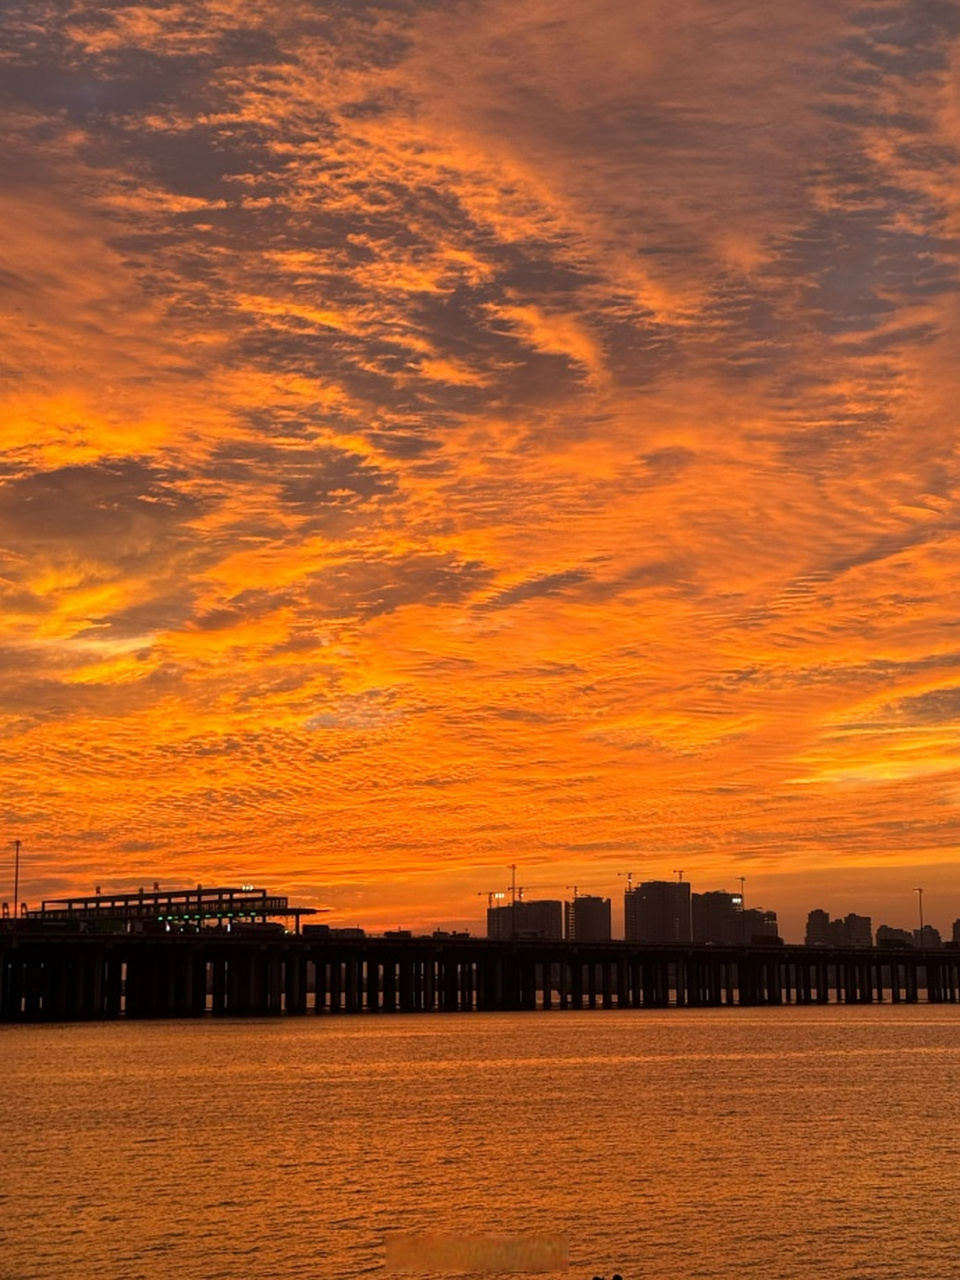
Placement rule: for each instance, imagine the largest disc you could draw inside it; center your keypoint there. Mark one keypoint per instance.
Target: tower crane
(513, 882)
(490, 895)
(522, 889)
(629, 875)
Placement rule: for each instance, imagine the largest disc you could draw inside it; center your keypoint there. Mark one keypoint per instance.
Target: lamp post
(16, 881)
(919, 893)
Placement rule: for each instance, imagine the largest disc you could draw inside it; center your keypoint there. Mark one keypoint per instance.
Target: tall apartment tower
(588, 919)
(717, 917)
(758, 924)
(658, 911)
(819, 932)
(857, 930)
(851, 931)
(534, 918)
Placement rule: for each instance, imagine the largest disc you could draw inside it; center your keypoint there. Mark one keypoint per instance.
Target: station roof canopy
(222, 903)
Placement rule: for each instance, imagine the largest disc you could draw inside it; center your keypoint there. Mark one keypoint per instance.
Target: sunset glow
(440, 436)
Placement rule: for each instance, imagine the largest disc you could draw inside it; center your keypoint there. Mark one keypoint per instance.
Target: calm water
(798, 1142)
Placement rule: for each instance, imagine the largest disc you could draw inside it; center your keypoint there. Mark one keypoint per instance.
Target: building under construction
(533, 918)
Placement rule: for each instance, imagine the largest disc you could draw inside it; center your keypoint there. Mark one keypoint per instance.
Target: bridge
(51, 976)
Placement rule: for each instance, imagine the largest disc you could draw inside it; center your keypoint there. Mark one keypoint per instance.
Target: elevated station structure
(178, 908)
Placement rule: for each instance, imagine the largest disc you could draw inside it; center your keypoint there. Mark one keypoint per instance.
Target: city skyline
(554, 916)
(438, 437)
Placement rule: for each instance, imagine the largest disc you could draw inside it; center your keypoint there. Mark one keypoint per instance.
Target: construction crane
(522, 889)
(573, 887)
(679, 875)
(491, 895)
(629, 875)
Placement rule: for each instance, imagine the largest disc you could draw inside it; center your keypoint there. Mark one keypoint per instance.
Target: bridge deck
(56, 976)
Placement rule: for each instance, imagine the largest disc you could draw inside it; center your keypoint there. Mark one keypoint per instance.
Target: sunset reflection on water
(800, 1142)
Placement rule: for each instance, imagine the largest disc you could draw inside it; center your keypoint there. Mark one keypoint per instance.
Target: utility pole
(16, 882)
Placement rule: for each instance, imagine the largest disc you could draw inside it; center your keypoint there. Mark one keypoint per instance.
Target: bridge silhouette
(46, 976)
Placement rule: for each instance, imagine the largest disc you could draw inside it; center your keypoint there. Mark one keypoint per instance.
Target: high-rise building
(716, 917)
(956, 933)
(535, 918)
(758, 924)
(857, 931)
(587, 919)
(658, 911)
(631, 915)
(851, 931)
(819, 933)
(928, 936)
(888, 936)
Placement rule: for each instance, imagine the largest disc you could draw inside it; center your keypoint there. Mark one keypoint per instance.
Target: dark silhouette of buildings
(587, 919)
(928, 936)
(535, 918)
(716, 917)
(658, 911)
(759, 925)
(888, 936)
(720, 919)
(851, 931)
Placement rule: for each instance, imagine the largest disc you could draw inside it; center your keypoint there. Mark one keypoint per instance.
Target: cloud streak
(442, 435)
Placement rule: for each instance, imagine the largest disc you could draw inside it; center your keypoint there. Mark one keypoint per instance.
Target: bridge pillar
(528, 982)
(198, 985)
(576, 981)
(591, 984)
(32, 971)
(679, 968)
(746, 983)
(336, 985)
(351, 995)
(563, 981)
(606, 982)
(320, 982)
(373, 985)
(468, 974)
(295, 983)
(12, 985)
(407, 1002)
(451, 985)
(218, 983)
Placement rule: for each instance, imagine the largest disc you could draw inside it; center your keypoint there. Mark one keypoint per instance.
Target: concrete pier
(50, 977)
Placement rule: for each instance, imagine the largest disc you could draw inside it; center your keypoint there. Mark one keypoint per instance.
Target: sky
(442, 436)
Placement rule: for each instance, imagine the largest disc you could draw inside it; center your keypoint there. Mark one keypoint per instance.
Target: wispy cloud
(494, 430)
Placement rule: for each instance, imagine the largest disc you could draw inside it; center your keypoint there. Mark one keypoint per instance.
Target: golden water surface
(671, 1145)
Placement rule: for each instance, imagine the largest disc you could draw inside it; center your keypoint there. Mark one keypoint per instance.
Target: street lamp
(919, 893)
(16, 881)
